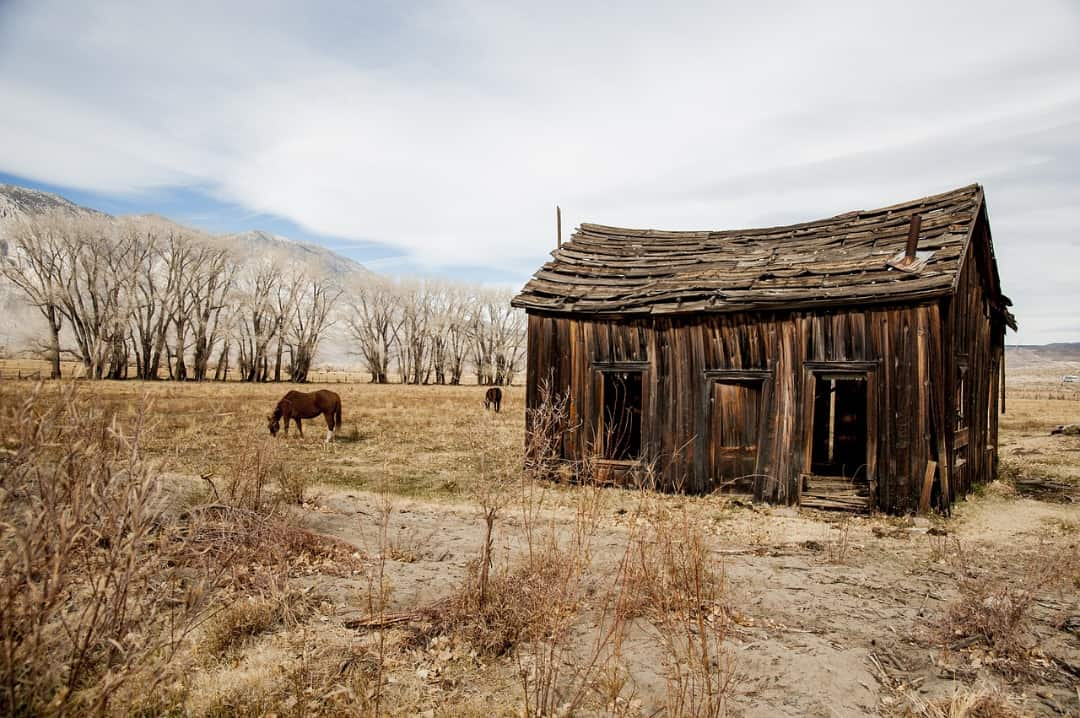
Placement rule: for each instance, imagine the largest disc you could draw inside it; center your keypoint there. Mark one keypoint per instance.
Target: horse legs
(329, 427)
(299, 427)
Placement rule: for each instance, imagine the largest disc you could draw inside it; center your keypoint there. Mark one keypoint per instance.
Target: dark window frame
(600, 371)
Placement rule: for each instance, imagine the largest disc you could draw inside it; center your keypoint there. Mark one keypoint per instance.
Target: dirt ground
(833, 616)
(821, 599)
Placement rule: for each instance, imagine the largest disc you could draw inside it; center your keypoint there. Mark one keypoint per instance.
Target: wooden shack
(850, 362)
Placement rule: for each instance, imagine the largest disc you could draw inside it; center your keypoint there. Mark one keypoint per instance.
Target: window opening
(621, 430)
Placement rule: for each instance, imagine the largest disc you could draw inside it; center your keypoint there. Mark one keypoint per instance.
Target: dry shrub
(307, 680)
(406, 546)
(249, 616)
(947, 549)
(258, 478)
(252, 469)
(529, 608)
(557, 674)
(239, 621)
(98, 590)
(262, 550)
(836, 550)
(1001, 488)
(675, 582)
(516, 606)
(984, 700)
(292, 487)
(102, 582)
(994, 613)
(544, 428)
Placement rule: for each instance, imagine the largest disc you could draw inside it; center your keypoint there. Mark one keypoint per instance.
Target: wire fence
(36, 369)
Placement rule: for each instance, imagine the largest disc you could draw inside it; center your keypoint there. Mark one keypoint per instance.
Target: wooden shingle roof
(841, 260)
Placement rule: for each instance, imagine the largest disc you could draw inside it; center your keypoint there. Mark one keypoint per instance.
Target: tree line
(144, 297)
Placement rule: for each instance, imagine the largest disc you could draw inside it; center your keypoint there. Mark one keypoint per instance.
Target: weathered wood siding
(776, 354)
(975, 336)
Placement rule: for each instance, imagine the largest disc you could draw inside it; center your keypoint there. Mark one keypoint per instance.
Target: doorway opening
(840, 427)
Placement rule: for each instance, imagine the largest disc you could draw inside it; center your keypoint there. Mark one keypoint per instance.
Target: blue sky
(436, 137)
(196, 207)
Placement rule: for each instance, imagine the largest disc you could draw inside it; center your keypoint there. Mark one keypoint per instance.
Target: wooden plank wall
(677, 354)
(976, 338)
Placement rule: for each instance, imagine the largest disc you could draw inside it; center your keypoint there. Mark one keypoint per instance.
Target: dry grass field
(412, 568)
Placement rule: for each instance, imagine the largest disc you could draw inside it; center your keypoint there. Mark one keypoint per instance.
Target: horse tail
(337, 414)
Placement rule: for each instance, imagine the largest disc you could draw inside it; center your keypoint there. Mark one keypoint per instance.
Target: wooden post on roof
(558, 226)
(913, 238)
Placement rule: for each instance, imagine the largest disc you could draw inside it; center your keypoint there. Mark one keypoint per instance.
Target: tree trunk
(221, 371)
(277, 359)
(54, 343)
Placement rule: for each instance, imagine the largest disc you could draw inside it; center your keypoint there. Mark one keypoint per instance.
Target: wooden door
(735, 416)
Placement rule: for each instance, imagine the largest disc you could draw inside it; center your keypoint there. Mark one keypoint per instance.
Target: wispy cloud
(448, 130)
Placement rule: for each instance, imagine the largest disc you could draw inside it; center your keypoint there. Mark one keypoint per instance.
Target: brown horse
(297, 405)
(493, 398)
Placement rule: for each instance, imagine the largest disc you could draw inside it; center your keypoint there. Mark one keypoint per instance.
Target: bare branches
(311, 316)
(433, 329)
(374, 323)
(160, 297)
(36, 268)
(209, 292)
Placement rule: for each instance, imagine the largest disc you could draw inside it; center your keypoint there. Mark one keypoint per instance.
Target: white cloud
(449, 130)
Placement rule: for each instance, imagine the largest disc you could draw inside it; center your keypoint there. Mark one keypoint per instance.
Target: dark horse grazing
(493, 398)
(300, 405)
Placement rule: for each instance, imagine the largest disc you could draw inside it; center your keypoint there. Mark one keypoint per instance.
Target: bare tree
(498, 337)
(483, 342)
(414, 337)
(183, 257)
(213, 279)
(228, 323)
(258, 319)
(36, 266)
(157, 265)
(374, 323)
(287, 291)
(310, 318)
(450, 332)
(92, 286)
(510, 325)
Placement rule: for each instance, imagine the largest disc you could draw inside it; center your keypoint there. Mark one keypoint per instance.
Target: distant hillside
(16, 202)
(256, 243)
(22, 324)
(1032, 355)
